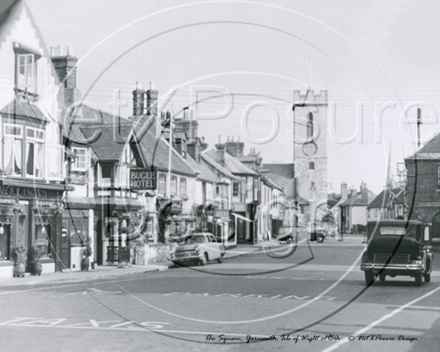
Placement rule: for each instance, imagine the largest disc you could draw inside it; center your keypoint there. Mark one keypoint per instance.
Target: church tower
(310, 148)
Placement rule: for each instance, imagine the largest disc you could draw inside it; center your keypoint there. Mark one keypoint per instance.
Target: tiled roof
(155, 153)
(222, 169)
(265, 177)
(232, 164)
(6, 7)
(204, 171)
(21, 108)
(88, 119)
(106, 147)
(381, 200)
(284, 170)
(430, 150)
(357, 199)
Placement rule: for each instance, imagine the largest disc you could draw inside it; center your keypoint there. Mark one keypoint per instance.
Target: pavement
(113, 271)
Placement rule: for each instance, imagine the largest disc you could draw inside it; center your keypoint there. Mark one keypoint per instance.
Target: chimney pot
(70, 50)
(151, 85)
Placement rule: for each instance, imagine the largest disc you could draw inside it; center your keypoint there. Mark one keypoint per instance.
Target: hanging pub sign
(143, 179)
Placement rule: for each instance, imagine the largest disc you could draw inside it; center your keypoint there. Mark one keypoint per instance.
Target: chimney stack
(220, 156)
(64, 62)
(138, 100)
(364, 193)
(344, 193)
(152, 94)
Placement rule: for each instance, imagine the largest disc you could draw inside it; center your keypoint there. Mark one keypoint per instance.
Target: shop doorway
(5, 242)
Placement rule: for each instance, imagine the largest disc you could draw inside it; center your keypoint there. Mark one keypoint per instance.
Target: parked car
(198, 248)
(316, 232)
(397, 247)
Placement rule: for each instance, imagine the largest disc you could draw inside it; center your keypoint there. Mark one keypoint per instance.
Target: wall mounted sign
(143, 179)
(429, 204)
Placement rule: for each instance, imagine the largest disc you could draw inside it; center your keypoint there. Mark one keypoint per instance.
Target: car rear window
(398, 231)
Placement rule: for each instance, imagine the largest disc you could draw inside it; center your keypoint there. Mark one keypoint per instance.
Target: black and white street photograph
(219, 175)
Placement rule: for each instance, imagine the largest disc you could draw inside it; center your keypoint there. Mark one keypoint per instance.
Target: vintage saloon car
(198, 248)
(397, 247)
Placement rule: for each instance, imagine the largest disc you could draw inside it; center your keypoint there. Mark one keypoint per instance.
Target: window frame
(161, 186)
(183, 186)
(74, 166)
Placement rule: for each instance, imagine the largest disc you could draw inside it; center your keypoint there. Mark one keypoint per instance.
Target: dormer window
(26, 68)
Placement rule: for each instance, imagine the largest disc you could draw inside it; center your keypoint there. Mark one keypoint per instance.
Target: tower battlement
(310, 97)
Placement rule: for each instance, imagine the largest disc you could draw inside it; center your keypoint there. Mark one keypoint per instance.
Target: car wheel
(320, 238)
(382, 277)
(220, 260)
(418, 278)
(204, 259)
(369, 278)
(427, 277)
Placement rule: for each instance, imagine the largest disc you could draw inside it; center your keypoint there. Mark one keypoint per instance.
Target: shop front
(113, 218)
(30, 212)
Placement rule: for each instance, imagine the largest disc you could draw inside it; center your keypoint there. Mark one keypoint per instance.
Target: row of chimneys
(363, 190)
(144, 102)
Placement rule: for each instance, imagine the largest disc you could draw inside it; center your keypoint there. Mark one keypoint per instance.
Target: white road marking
(380, 320)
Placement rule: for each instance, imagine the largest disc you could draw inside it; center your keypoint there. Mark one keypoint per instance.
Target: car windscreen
(195, 239)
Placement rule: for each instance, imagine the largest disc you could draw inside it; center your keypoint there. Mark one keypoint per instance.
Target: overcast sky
(369, 52)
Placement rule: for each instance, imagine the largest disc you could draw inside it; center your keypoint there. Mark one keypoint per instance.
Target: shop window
(82, 161)
(5, 242)
(173, 184)
(161, 189)
(183, 190)
(78, 231)
(43, 232)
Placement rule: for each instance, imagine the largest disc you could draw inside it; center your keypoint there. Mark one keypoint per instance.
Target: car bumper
(397, 268)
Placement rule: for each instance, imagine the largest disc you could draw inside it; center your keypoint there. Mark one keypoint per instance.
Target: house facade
(31, 153)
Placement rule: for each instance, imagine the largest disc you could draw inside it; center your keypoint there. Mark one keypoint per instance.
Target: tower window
(312, 166)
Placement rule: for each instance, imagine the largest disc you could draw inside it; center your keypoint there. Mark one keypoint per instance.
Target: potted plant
(20, 261)
(87, 252)
(39, 250)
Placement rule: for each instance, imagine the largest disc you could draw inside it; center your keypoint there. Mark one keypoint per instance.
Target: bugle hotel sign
(143, 179)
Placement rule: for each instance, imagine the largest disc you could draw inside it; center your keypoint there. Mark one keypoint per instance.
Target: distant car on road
(198, 248)
(397, 247)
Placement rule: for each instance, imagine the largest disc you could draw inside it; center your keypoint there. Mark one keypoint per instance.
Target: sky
(237, 63)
